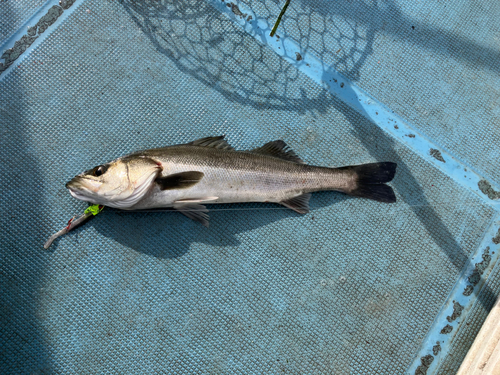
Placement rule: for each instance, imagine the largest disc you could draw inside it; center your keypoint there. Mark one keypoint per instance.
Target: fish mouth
(76, 183)
(77, 189)
(76, 194)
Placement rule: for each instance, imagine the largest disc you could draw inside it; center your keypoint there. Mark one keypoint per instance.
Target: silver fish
(209, 170)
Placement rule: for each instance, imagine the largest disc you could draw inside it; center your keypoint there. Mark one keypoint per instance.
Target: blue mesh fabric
(351, 288)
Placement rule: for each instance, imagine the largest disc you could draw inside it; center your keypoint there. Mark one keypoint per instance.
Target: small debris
(32, 30)
(298, 56)
(65, 4)
(436, 348)
(446, 329)
(342, 85)
(425, 364)
(437, 155)
(468, 290)
(412, 136)
(487, 189)
(395, 126)
(457, 311)
(496, 239)
(480, 267)
(236, 10)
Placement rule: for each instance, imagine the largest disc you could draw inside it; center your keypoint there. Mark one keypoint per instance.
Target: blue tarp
(353, 287)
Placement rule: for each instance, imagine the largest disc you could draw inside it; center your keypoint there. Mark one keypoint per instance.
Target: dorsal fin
(214, 142)
(278, 149)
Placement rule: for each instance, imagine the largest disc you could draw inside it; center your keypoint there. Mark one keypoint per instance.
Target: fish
(187, 177)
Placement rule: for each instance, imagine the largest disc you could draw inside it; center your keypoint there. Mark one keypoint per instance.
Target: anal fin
(299, 203)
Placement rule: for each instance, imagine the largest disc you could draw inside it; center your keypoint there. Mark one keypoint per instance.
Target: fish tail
(370, 179)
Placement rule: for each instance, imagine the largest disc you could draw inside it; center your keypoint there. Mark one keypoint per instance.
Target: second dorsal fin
(278, 149)
(214, 142)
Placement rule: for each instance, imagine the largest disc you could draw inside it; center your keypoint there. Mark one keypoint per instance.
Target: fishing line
(152, 211)
(95, 209)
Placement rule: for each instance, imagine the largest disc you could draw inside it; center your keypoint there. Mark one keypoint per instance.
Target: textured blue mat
(13, 14)
(354, 287)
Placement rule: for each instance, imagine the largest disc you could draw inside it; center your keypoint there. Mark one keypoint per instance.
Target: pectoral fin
(181, 180)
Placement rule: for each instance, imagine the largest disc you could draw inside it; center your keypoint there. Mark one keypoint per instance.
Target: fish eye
(98, 171)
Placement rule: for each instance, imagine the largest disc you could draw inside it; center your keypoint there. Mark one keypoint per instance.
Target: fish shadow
(169, 234)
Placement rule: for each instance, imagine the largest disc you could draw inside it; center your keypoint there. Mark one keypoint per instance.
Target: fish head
(120, 184)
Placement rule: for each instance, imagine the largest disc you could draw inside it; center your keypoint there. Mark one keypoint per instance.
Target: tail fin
(370, 180)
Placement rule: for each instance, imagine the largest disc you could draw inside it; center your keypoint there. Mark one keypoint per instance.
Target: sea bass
(206, 171)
